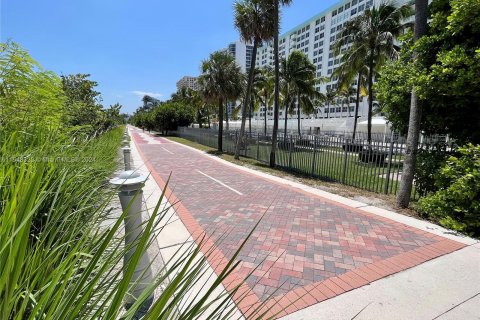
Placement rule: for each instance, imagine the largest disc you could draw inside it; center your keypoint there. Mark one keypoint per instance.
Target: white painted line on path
(167, 150)
(220, 182)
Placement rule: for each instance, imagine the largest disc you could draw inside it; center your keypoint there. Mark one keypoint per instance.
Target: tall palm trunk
(328, 110)
(277, 83)
(266, 108)
(220, 124)
(406, 184)
(370, 100)
(298, 115)
(246, 103)
(357, 104)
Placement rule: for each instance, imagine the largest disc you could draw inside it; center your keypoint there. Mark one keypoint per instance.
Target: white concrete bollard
(127, 158)
(131, 184)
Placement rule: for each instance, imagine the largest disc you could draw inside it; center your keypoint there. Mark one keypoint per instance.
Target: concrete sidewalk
(354, 242)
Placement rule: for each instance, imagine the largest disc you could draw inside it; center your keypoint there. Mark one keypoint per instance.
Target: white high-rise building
(316, 38)
(242, 52)
(187, 82)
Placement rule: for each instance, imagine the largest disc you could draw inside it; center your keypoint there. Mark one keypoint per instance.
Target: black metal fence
(375, 167)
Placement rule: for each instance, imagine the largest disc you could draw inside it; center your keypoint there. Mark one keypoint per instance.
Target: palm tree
(266, 86)
(370, 37)
(276, 96)
(330, 97)
(256, 98)
(403, 197)
(298, 85)
(352, 67)
(149, 102)
(192, 98)
(254, 19)
(221, 80)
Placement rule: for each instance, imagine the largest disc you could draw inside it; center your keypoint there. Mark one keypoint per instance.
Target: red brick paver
(306, 248)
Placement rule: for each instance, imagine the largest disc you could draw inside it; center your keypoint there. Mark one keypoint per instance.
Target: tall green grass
(60, 259)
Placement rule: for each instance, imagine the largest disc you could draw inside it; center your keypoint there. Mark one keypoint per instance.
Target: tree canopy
(446, 76)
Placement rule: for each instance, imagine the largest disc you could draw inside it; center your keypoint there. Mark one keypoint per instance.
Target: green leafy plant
(429, 162)
(456, 204)
(56, 259)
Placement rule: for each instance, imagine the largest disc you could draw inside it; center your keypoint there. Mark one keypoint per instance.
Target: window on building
(315, 60)
(330, 63)
(340, 9)
(354, 2)
(322, 19)
(361, 7)
(332, 38)
(347, 5)
(322, 35)
(334, 13)
(354, 11)
(329, 71)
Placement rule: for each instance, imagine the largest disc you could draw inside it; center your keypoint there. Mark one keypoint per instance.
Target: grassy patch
(382, 200)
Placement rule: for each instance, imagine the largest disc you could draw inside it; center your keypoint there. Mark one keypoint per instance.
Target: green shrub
(429, 163)
(456, 204)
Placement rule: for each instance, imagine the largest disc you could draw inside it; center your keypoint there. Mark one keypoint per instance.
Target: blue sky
(129, 47)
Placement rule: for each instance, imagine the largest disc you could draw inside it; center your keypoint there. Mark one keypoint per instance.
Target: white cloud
(144, 93)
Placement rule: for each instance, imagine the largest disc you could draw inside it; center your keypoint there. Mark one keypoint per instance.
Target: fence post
(389, 168)
(236, 139)
(314, 155)
(258, 146)
(345, 158)
(290, 153)
(246, 143)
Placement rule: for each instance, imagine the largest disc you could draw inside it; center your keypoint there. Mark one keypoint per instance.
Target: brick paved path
(306, 248)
